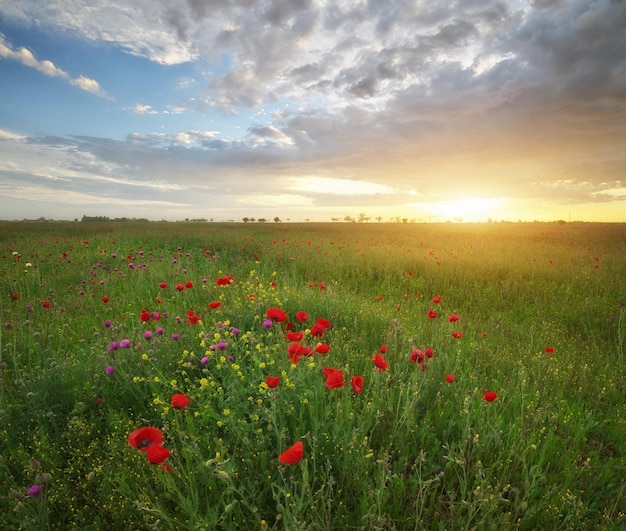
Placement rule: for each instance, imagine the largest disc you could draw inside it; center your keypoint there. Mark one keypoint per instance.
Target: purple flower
(159, 331)
(234, 331)
(204, 360)
(113, 346)
(125, 343)
(222, 345)
(267, 323)
(110, 370)
(107, 323)
(147, 334)
(113, 255)
(175, 337)
(34, 491)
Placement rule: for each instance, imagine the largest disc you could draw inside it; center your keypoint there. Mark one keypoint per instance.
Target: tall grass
(541, 323)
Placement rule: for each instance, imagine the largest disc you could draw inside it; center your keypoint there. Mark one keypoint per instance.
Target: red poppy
(550, 350)
(296, 350)
(335, 379)
(323, 322)
(292, 455)
(432, 314)
(317, 330)
(15, 296)
(188, 284)
(294, 336)
(436, 299)
(457, 335)
(383, 348)
(429, 352)
(162, 285)
(144, 316)
(301, 317)
(357, 384)
(105, 299)
(192, 318)
(417, 356)
(490, 396)
(157, 454)
(46, 304)
(380, 362)
(224, 281)
(180, 287)
(180, 401)
(214, 305)
(453, 318)
(272, 381)
(449, 378)
(276, 314)
(327, 371)
(143, 438)
(322, 348)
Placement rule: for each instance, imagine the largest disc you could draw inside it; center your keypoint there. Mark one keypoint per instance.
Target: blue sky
(317, 110)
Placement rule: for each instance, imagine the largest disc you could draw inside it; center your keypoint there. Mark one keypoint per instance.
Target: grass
(411, 451)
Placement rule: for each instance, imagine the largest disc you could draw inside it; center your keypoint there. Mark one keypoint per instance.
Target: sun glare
(469, 209)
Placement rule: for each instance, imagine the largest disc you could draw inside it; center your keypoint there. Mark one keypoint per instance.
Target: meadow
(312, 376)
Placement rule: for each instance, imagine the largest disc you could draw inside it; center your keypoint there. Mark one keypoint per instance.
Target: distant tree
(405, 220)
(245, 220)
(335, 219)
(363, 217)
(378, 218)
(349, 219)
(276, 219)
(261, 220)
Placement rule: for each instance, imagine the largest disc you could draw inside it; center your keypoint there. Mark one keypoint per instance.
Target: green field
(103, 323)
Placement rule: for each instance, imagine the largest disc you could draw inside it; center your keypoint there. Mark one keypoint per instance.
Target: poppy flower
(272, 381)
(188, 284)
(276, 314)
(180, 287)
(145, 437)
(15, 296)
(449, 378)
(301, 316)
(417, 356)
(46, 304)
(180, 401)
(334, 379)
(157, 454)
(322, 348)
(457, 335)
(323, 322)
(105, 299)
(490, 396)
(453, 318)
(224, 281)
(144, 316)
(162, 285)
(429, 352)
(357, 384)
(214, 305)
(292, 455)
(294, 336)
(296, 350)
(432, 314)
(383, 348)
(436, 299)
(380, 362)
(550, 350)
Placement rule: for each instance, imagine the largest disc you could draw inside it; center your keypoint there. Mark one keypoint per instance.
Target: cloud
(25, 56)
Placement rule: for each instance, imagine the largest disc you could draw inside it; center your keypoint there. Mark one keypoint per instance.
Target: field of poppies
(312, 376)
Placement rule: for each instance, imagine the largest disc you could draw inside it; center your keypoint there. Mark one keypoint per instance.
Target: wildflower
(147, 335)
(109, 370)
(180, 401)
(144, 316)
(490, 396)
(383, 349)
(15, 296)
(175, 337)
(105, 299)
(550, 350)
(432, 314)
(204, 360)
(449, 378)
(267, 323)
(301, 316)
(224, 281)
(107, 323)
(322, 348)
(272, 381)
(457, 335)
(453, 318)
(292, 455)
(294, 336)
(157, 454)
(276, 314)
(380, 362)
(45, 304)
(436, 299)
(214, 305)
(113, 346)
(162, 285)
(417, 356)
(160, 331)
(357, 384)
(222, 345)
(429, 352)
(143, 438)
(34, 491)
(188, 285)
(180, 287)
(125, 343)
(334, 379)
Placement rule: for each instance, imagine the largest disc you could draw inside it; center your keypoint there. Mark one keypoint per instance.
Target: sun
(468, 209)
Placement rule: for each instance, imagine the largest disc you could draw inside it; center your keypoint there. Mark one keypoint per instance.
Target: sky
(313, 110)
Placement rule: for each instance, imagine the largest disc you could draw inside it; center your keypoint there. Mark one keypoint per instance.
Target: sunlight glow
(470, 209)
